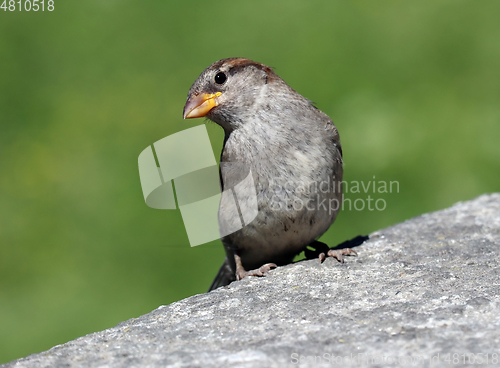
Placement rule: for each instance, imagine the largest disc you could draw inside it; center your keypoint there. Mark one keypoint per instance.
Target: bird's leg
(241, 273)
(321, 251)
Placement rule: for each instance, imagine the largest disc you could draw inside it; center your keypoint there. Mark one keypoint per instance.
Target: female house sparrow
(293, 152)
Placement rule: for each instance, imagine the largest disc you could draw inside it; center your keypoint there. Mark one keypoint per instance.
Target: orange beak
(198, 106)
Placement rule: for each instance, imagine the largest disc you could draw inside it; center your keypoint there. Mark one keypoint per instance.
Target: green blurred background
(413, 86)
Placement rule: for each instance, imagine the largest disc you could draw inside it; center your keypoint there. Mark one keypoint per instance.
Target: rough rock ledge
(424, 293)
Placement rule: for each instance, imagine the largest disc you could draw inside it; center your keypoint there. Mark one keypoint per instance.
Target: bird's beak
(199, 105)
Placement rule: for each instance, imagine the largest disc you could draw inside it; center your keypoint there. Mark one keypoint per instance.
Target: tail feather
(224, 277)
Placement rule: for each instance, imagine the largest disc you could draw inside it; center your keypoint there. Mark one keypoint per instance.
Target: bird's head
(229, 91)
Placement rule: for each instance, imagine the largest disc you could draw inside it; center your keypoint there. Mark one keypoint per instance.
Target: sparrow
(293, 152)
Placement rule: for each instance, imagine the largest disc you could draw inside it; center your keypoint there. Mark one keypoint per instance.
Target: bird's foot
(261, 271)
(337, 254)
(321, 251)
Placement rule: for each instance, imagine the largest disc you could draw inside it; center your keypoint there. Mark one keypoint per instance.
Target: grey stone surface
(421, 293)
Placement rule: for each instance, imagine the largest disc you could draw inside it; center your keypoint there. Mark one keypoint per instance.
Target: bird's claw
(321, 251)
(338, 254)
(261, 271)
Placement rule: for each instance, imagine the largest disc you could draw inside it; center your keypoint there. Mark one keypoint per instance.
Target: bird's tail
(224, 277)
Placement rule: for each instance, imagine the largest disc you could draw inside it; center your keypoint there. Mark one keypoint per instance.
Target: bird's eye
(220, 78)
